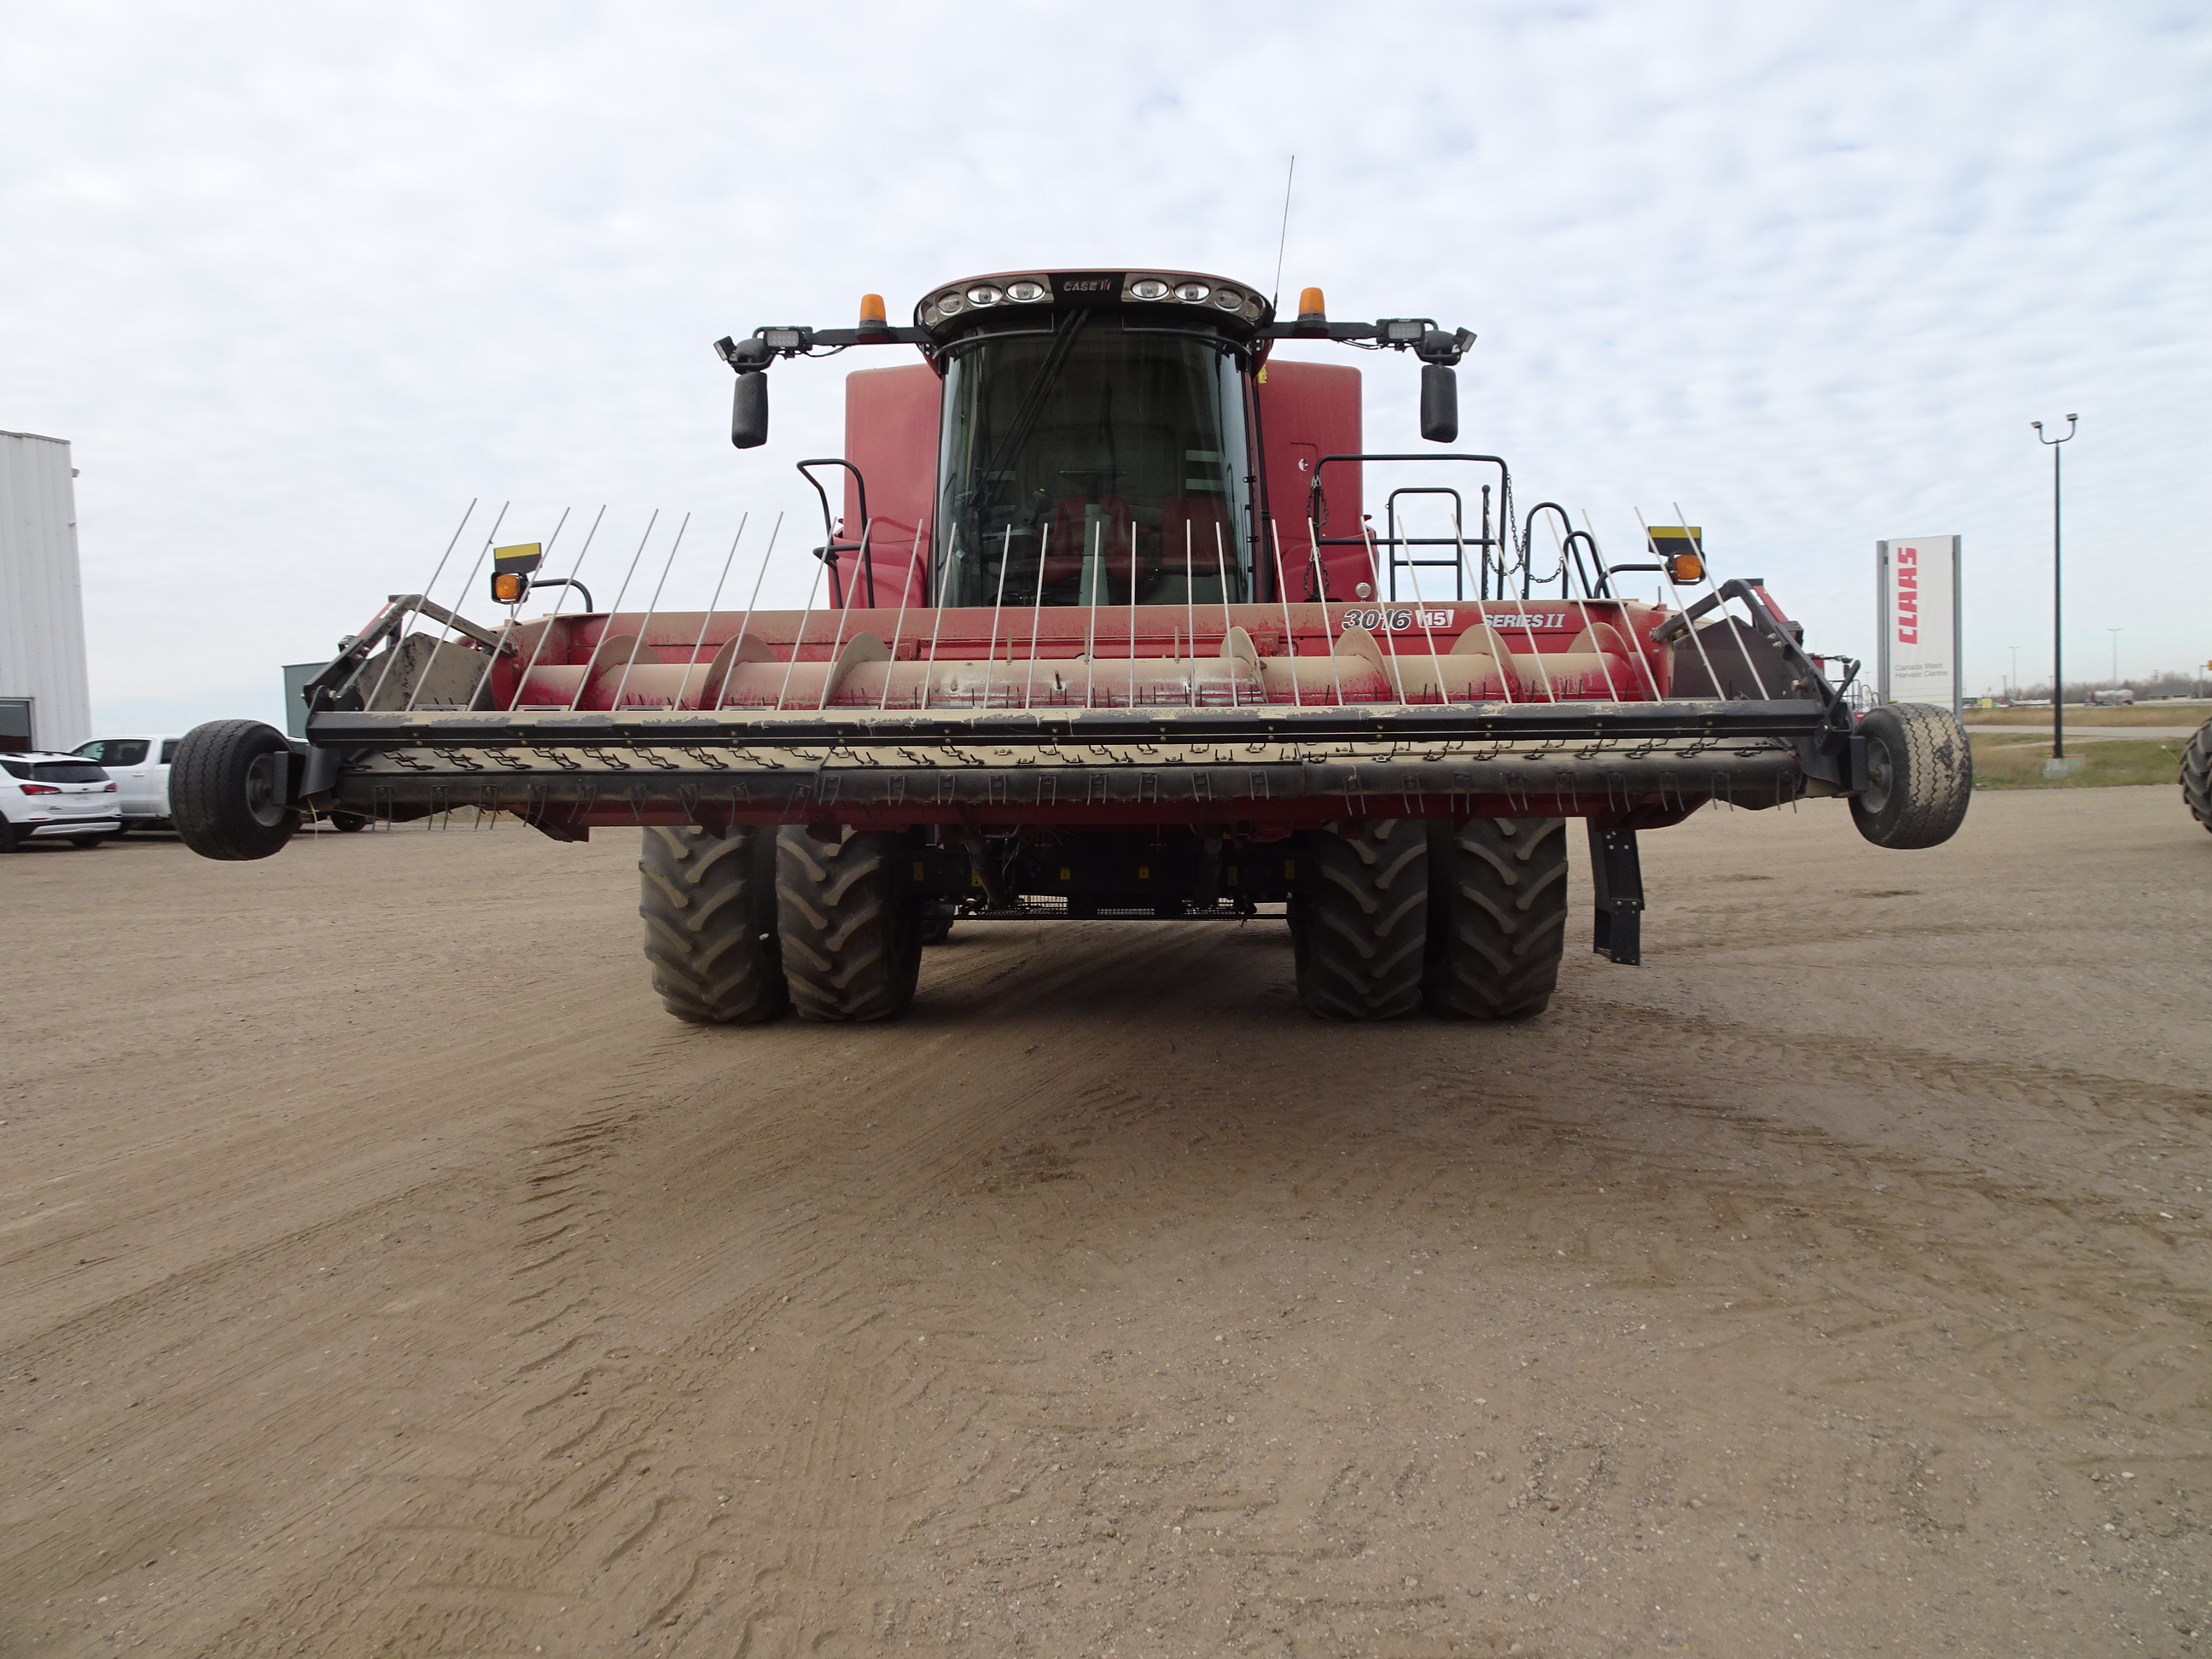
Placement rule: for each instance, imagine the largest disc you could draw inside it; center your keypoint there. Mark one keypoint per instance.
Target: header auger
(1106, 633)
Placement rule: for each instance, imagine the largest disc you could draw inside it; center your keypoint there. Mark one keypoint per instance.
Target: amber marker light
(1313, 311)
(1681, 550)
(512, 568)
(873, 318)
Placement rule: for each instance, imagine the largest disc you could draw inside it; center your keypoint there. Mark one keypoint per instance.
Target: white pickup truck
(140, 767)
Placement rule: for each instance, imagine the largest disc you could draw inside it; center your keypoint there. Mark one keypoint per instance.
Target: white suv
(55, 798)
(140, 767)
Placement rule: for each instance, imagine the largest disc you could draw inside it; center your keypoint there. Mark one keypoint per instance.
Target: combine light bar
(1090, 288)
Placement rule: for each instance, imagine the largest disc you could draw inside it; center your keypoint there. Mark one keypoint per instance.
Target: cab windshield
(1092, 465)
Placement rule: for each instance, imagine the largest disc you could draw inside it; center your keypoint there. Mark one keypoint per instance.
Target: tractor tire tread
(1497, 917)
(2196, 775)
(708, 901)
(852, 942)
(1362, 921)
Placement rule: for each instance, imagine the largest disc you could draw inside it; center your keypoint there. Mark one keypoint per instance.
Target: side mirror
(1439, 403)
(749, 410)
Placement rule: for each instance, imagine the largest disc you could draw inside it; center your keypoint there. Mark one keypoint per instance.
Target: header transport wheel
(1920, 775)
(2196, 775)
(708, 902)
(229, 794)
(852, 938)
(1498, 916)
(1361, 920)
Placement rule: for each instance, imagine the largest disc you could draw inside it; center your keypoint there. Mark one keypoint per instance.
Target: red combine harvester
(1107, 634)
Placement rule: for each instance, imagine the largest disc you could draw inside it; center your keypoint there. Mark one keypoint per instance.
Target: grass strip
(2004, 761)
(2140, 713)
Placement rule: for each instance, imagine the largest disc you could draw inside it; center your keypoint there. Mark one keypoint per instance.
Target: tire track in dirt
(587, 1415)
(1109, 1304)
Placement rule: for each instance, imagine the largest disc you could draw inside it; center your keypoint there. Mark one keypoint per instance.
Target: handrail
(831, 547)
(1317, 506)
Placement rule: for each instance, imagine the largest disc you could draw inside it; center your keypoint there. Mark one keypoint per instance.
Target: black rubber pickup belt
(1268, 723)
(1590, 752)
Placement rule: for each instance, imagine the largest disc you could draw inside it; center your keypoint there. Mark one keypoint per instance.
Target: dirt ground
(382, 1273)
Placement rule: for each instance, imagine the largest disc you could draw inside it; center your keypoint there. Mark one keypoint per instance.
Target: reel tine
(929, 679)
(508, 627)
(991, 651)
(1713, 676)
(906, 592)
(1650, 678)
(438, 646)
(706, 617)
(721, 691)
(1037, 618)
(1435, 663)
(843, 610)
(1582, 603)
(614, 703)
(1742, 646)
(1321, 588)
(591, 663)
(1283, 593)
(391, 652)
(799, 643)
(546, 633)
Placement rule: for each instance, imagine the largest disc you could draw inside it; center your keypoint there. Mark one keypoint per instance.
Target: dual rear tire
(742, 928)
(1468, 920)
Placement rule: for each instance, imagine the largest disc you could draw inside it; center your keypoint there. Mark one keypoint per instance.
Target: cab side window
(114, 751)
(168, 751)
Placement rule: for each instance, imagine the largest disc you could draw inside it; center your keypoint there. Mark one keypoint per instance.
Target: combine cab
(1105, 631)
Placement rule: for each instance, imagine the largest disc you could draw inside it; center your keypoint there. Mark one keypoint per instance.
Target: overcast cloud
(299, 282)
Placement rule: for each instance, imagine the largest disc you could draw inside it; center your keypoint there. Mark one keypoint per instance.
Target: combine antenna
(1283, 240)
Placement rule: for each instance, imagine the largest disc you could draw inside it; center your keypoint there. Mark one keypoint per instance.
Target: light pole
(2116, 633)
(2015, 671)
(2057, 600)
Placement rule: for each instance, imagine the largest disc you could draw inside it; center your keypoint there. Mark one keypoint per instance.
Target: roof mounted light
(945, 313)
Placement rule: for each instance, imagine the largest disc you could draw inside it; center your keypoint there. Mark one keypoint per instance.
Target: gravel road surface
(382, 1273)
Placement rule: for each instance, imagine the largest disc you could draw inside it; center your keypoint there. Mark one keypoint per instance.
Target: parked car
(140, 767)
(46, 797)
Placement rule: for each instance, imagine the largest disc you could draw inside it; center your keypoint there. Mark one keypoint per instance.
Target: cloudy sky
(300, 281)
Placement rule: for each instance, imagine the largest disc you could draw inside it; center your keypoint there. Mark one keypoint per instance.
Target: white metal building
(45, 694)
